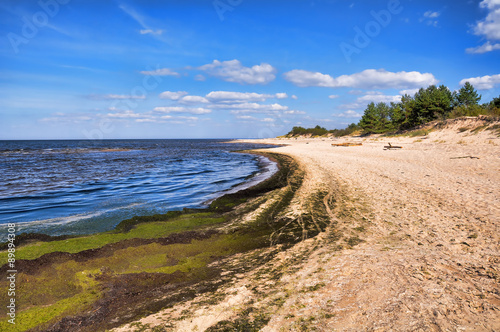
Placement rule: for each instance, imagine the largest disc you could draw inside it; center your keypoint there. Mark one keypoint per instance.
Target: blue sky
(229, 68)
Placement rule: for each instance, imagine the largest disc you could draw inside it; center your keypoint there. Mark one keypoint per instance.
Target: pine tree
(467, 96)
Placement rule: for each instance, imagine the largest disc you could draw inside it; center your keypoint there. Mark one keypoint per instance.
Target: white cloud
(333, 96)
(486, 47)
(252, 118)
(181, 109)
(410, 92)
(371, 96)
(295, 97)
(431, 14)
(124, 115)
(348, 114)
(234, 71)
(191, 118)
(160, 72)
(281, 95)
(489, 27)
(251, 107)
(141, 20)
(484, 82)
(200, 78)
(304, 78)
(135, 15)
(193, 100)
(293, 112)
(151, 31)
(379, 98)
(145, 120)
(236, 97)
(67, 118)
(430, 18)
(246, 117)
(172, 95)
(367, 79)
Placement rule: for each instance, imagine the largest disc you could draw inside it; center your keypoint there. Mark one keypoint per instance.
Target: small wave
(269, 168)
(73, 218)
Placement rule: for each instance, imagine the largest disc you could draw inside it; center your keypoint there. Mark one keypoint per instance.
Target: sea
(87, 186)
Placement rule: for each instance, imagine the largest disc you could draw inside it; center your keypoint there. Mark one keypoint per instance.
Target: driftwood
(471, 157)
(390, 146)
(347, 144)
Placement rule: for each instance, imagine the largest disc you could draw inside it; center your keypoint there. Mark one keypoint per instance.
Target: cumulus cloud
(193, 100)
(304, 78)
(488, 28)
(371, 96)
(348, 114)
(181, 109)
(333, 96)
(235, 97)
(484, 82)
(367, 79)
(172, 95)
(485, 48)
(294, 97)
(251, 107)
(160, 72)
(410, 92)
(241, 97)
(234, 71)
(235, 102)
(294, 112)
(253, 118)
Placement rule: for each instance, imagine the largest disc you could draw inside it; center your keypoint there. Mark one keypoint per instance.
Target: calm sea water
(81, 187)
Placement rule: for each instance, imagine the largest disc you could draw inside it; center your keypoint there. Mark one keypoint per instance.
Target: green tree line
(432, 103)
(426, 105)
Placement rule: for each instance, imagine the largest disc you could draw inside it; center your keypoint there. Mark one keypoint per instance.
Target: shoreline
(353, 237)
(412, 242)
(76, 220)
(216, 225)
(268, 170)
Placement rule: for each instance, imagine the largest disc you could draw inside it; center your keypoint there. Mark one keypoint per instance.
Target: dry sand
(428, 215)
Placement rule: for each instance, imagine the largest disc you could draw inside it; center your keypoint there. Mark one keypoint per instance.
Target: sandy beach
(347, 235)
(425, 255)
(430, 213)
